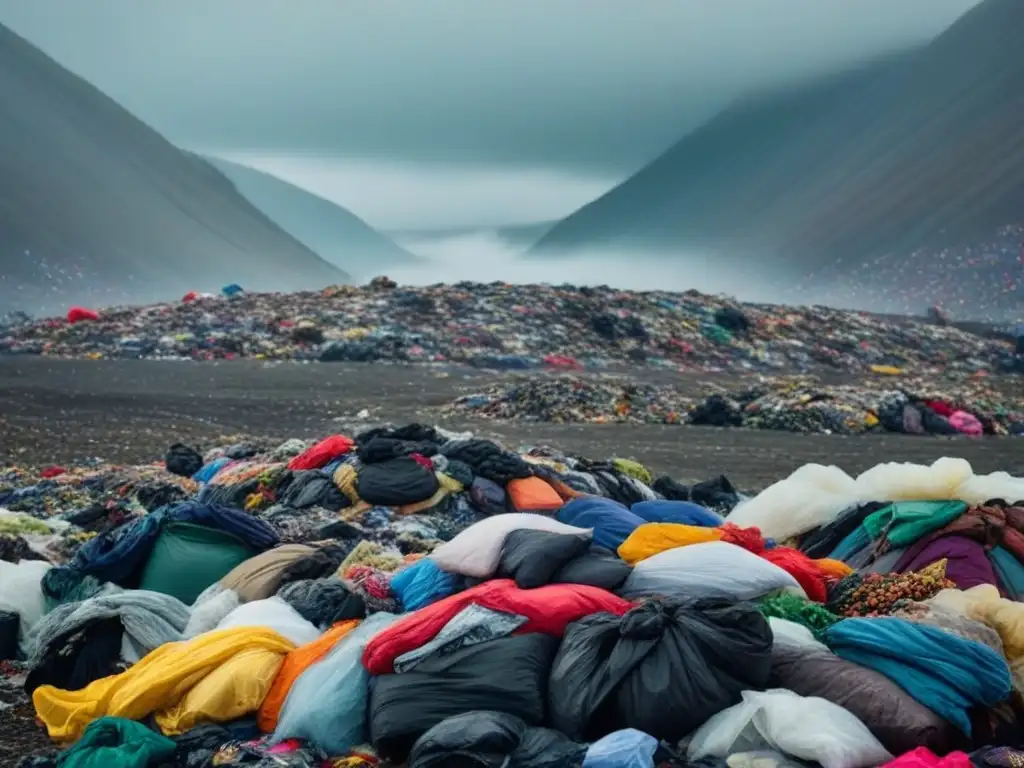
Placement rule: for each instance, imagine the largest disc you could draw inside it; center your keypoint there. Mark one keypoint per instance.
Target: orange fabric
(833, 568)
(295, 663)
(531, 494)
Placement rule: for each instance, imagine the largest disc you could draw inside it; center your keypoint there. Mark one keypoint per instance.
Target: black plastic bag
(664, 668)
(493, 740)
(598, 567)
(506, 675)
(10, 623)
(533, 557)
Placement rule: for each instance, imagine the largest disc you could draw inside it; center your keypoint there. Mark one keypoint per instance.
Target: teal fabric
(113, 742)
(904, 522)
(1010, 572)
(946, 673)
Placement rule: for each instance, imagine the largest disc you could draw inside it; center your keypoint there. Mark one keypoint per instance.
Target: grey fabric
(641, 489)
(885, 563)
(951, 621)
(473, 624)
(150, 619)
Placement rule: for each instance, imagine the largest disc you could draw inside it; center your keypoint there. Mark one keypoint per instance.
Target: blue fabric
(118, 556)
(628, 748)
(611, 521)
(231, 290)
(946, 673)
(1010, 572)
(855, 541)
(206, 473)
(682, 512)
(421, 584)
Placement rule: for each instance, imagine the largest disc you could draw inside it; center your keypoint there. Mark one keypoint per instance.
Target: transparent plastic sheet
(476, 551)
(628, 748)
(806, 728)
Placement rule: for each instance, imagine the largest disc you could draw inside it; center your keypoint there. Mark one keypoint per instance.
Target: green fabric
(113, 742)
(904, 522)
(812, 615)
(634, 469)
(187, 558)
(19, 523)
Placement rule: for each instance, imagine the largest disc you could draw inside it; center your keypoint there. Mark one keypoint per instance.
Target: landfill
(914, 405)
(508, 327)
(409, 596)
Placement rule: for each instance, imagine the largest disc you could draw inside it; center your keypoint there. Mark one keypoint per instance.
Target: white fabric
(21, 592)
(713, 569)
(211, 607)
(273, 613)
(477, 550)
(789, 634)
(805, 727)
(814, 495)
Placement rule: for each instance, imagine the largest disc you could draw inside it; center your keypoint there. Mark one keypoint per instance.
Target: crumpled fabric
(174, 682)
(473, 624)
(323, 601)
(150, 619)
(275, 614)
(112, 742)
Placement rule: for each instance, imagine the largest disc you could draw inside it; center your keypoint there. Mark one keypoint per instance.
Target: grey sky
(588, 87)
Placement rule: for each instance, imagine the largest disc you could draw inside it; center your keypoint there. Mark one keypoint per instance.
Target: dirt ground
(57, 411)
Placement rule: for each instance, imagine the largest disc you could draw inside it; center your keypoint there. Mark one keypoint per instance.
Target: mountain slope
(97, 207)
(335, 233)
(923, 150)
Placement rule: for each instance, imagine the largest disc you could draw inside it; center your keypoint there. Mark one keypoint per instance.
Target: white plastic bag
(21, 592)
(808, 728)
(714, 569)
(272, 613)
(789, 634)
(477, 550)
(210, 609)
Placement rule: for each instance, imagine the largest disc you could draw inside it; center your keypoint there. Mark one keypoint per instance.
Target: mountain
(516, 236)
(335, 233)
(919, 152)
(96, 207)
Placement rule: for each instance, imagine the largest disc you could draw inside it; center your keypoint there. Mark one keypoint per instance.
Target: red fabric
(563, 361)
(550, 609)
(323, 453)
(941, 408)
(422, 460)
(189, 297)
(748, 538)
(53, 471)
(79, 314)
(800, 567)
(922, 757)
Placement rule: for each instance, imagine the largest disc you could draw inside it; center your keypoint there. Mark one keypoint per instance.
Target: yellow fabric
(651, 538)
(160, 681)
(345, 479)
(836, 568)
(887, 370)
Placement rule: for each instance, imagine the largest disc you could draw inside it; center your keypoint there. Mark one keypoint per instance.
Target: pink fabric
(966, 424)
(922, 757)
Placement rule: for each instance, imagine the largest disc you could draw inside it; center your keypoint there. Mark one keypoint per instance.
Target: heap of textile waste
(507, 327)
(795, 404)
(413, 597)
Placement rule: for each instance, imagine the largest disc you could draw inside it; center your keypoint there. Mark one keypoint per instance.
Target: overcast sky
(586, 90)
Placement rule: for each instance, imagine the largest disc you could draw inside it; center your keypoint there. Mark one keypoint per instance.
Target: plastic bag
(789, 634)
(327, 704)
(477, 550)
(21, 592)
(715, 569)
(272, 613)
(628, 748)
(808, 728)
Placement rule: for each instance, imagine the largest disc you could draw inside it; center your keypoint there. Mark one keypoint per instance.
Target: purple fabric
(967, 566)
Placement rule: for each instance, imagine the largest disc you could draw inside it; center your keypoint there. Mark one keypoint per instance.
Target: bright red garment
(323, 453)
(189, 297)
(80, 314)
(922, 757)
(800, 567)
(52, 471)
(941, 408)
(550, 609)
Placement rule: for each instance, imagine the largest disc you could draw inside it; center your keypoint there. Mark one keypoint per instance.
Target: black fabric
(155, 495)
(669, 489)
(598, 567)
(472, 452)
(821, 542)
(460, 471)
(312, 488)
(323, 602)
(395, 482)
(73, 660)
(183, 460)
(316, 565)
(488, 496)
(415, 433)
(717, 493)
(533, 557)
(385, 448)
(242, 451)
(10, 622)
(14, 549)
(493, 740)
(732, 320)
(504, 468)
(506, 675)
(716, 411)
(934, 424)
(664, 668)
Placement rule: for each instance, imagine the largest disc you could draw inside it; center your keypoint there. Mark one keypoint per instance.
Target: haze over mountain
(335, 233)
(95, 206)
(916, 151)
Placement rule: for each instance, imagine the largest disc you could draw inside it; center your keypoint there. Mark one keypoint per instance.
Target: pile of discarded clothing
(793, 404)
(506, 327)
(412, 597)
